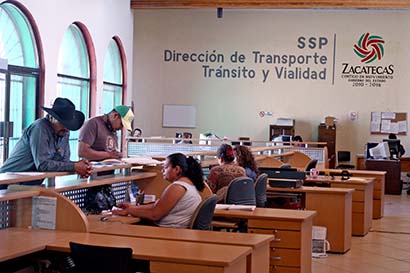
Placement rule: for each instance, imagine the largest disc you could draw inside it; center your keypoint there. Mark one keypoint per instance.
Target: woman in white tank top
(179, 200)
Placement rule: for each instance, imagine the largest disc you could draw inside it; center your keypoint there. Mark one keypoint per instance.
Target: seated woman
(220, 176)
(246, 160)
(178, 202)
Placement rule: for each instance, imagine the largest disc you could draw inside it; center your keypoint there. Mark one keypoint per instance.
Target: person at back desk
(98, 139)
(220, 176)
(44, 145)
(178, 202)
(401, 150)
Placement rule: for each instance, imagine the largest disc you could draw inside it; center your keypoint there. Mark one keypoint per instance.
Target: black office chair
(260, 190)
(311, 165)
(204, 213)
(343, 160)
(241, 192)
(100, 259)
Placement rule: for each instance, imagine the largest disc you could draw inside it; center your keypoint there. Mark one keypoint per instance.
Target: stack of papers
(235, 207)
(141, 161)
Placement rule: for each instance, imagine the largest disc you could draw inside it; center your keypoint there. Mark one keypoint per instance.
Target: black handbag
(98, 199)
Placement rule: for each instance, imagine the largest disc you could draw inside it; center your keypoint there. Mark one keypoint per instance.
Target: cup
(314, 173)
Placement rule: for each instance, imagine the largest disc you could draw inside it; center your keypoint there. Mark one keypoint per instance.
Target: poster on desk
(44, 212)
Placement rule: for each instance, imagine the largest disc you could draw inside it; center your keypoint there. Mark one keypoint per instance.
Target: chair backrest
(343, 157)
(260, 190)
(241, 191)
(311, 165)
(100, 259)
(204, 213)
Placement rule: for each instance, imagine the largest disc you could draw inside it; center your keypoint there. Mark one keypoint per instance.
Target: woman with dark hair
(179, 200)
(245, 159)
(220, 176)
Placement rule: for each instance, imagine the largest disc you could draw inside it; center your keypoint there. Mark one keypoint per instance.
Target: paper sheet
(44, 212)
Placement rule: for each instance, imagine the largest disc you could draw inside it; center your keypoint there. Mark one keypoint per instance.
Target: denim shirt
(40, 149)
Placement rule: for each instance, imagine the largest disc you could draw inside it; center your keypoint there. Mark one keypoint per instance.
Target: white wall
(230, 107)
(104, 19)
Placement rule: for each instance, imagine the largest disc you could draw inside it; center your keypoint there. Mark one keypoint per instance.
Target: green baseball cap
(126, 115)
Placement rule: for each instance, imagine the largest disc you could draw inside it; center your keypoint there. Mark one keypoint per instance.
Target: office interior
(225, 64)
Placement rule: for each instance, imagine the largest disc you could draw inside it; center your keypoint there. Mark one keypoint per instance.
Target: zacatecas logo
(369, 48)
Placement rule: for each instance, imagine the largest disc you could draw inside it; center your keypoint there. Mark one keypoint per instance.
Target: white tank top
(180, 216)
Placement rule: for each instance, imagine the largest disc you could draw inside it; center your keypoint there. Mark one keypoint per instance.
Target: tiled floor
(386, 249)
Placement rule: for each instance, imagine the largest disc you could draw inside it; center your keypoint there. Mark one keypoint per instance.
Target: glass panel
(22, 105)
(17, 43)
(76, 91)
(112, 96)
(112, 64)
(73, 55)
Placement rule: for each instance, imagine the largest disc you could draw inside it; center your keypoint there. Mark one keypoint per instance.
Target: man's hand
(83, 168)
(114, 154)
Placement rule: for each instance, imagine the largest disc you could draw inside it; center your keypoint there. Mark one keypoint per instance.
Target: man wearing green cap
(98, 139)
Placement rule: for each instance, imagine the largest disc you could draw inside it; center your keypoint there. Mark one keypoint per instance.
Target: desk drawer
(283, 269)
(285, 257)
(280, 225)
(283, 238)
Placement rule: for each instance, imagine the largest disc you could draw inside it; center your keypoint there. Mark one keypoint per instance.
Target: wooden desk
(334, 211)
(404, 163)
(165, 255)
(378, 187)
(393, 183)
(168, 256)
(362, 200)
(259, 262)
(291, 251)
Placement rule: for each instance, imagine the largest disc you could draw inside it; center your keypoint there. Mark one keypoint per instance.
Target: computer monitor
(381, 151)
(370, 145)
(394, 147)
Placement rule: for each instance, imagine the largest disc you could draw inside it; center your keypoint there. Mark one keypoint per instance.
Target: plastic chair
(260, 190)
(343, 160)
(100, 259)
(241, 191)
(204, 213)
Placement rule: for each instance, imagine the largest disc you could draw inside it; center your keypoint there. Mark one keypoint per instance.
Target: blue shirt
(40, 149)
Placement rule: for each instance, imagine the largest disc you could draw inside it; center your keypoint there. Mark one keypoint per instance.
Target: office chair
(311, 165)
(343, 160)
(204, 213)
(241, 192)
(260, 190)
(100, 259)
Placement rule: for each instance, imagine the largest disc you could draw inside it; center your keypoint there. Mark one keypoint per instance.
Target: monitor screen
(394, 147)
(381, 151)
(369, 146)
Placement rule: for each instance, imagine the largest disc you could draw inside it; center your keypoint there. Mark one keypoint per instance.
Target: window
(74, 75)
(113, 78)
(19, 79)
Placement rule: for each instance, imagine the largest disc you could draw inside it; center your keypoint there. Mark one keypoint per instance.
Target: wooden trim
(272, 4)
(93, 67)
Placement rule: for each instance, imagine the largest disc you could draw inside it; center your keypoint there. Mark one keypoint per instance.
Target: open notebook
(235, 207)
